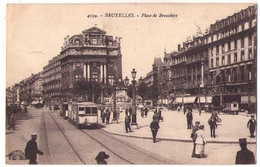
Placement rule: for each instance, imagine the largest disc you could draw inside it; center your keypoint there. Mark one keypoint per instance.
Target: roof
(87, 104)
(94, 30)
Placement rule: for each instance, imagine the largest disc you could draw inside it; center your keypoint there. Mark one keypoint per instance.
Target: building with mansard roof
(92, 55)
(218, 66)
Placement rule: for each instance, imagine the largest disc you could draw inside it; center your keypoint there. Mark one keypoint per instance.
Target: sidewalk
(174, 127)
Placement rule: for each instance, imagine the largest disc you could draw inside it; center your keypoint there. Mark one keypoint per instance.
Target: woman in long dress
(200, 142)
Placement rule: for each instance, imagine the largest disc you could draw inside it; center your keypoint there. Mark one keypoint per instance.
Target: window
(223, 60)
(249, 40)
(235, 57)
(250, 53)
(94, 41)
(217, 49)
(95, 77)
(242, 55)
(211, 63)
(250, 24)
(88, 110)
(229, 46)
(94, 110)
(77, 77)
(242, 42)
(77, 64)
(81, 108)
(235, 44)
(229, 59)
(111, 79)
(243, 27)
(217, 61)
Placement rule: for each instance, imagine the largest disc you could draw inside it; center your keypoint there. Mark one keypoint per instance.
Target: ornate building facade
(91, 56)
(219, 64)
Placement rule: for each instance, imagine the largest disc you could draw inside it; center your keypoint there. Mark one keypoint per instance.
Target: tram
(83, 114)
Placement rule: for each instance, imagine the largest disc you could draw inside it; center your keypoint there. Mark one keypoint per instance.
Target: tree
(142, 90)
(130, 91)
(152, 93)
(88, 89)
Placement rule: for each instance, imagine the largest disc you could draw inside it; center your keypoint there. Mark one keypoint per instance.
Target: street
(63, 143)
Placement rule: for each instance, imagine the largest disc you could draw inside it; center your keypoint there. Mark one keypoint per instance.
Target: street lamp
(134, 121)
(114, 83)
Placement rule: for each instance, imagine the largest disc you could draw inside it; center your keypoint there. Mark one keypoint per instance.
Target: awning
(185, 99)
(205, 99)
(244, 99)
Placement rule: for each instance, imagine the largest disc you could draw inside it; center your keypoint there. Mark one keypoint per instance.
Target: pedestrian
(200, 142)
(184, 110)
(25, 109)
(146, 111)
(194, 130)
(251, 124)
(142, 112)
(103, 116)
(244, 156)
(160, 115)
(154, 128)
(189, 119)
(107, 115)
(126, 111)
(100, 158)
(127, 123)
(130, 110)
(213, 126)
(31, 149)
(12, 122)
(155, 115)
(178, 109)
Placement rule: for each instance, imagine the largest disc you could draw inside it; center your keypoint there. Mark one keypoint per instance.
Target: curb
(175, 140)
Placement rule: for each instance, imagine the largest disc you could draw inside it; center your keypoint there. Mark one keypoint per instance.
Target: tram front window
(87, 110)
(94, 110)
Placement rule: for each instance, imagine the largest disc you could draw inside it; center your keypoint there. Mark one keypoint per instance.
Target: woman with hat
(200, 142)
(100, 158)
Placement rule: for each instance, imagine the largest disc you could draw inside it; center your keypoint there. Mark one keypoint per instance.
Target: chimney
(179, 47)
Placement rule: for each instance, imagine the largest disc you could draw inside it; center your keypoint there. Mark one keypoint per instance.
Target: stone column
(84, 71)
(88, 71)
(105, 74)
(101, 72)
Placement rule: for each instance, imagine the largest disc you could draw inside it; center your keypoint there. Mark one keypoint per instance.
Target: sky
(35, 33)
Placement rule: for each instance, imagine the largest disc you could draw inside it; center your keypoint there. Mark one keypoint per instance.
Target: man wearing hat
(154, 128)
(195, 128)
(244, 156)
(31, 149)
(252, 124)
(100, 158)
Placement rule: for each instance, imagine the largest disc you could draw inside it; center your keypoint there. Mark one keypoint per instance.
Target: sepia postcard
(136, 83)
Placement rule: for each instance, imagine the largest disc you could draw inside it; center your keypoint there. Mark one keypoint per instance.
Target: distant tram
(83, 114)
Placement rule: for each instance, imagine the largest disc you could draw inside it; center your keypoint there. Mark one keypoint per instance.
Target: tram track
(121, 151)
(70, 144)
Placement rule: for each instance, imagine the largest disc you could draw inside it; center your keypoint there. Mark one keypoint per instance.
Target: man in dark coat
(213, 125)
(127, 123)
(193, 136)
(189, 119)
(31, 150)
(154, 128)
(252, 124)
(12, 122)
(244, 156)
(146, 111)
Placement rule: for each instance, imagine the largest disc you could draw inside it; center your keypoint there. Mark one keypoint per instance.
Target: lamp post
(114, 101)
(134, 121)
(199, 97)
